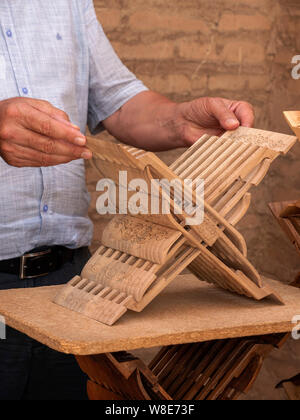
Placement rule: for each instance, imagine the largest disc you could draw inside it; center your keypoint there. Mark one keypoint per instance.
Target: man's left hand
(212, 116)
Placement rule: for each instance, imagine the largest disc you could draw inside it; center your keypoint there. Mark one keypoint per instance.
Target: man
(59, 73)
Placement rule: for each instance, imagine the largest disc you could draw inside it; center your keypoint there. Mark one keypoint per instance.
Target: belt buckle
(23, 266)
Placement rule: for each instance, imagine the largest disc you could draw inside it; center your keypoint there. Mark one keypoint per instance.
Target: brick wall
(238, 49)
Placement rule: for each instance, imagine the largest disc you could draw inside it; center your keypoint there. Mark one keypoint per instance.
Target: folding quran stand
(146, 255)
(141, 255)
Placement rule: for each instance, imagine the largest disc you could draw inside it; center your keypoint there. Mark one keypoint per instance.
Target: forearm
(152, 122)
(148, 121)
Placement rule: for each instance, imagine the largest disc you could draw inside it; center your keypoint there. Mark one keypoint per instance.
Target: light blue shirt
(57, 51)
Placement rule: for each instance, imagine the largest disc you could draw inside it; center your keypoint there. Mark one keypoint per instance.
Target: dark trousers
(30, 370)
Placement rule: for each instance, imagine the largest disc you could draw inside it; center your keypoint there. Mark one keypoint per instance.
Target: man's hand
(152, 122)
(212, 116)
(33, 133)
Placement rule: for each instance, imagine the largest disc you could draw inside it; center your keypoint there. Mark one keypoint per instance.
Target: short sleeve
(111, 84)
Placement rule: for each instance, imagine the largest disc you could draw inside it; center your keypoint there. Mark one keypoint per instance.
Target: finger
(53, 112)
(20, 163)
(40, 143)
(76, 127)
(225, 116)
(15, 156)
(31, 157)
(41, 123)
(245, 113)
(56, 113)
(49, 109)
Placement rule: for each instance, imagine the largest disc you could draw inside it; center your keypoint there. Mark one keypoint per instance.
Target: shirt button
(9, 33)
(25, 91)
(46, 208)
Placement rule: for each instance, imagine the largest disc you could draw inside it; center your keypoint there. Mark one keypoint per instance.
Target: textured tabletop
(187, 311)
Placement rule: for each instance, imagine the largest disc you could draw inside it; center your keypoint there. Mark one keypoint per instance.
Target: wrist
(180, 124)
(170, 119)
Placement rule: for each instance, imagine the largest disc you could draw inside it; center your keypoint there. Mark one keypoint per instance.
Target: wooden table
(188, 311)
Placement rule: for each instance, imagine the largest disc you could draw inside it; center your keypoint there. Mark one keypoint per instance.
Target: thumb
(219, 110)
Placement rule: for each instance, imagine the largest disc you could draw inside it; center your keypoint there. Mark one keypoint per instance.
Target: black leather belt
(38, 262)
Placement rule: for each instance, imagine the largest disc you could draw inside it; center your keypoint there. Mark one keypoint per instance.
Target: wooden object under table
(214, 370)
(140, 256)
(220, 338)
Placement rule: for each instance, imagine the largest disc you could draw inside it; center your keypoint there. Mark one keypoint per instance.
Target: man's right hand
(33, 133)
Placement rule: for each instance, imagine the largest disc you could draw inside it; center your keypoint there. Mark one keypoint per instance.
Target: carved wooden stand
(141, 255)
(216, 370)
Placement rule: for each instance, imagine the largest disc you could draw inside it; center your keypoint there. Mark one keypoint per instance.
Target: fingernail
(81, 141)
(87, 155)
(232, 122)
